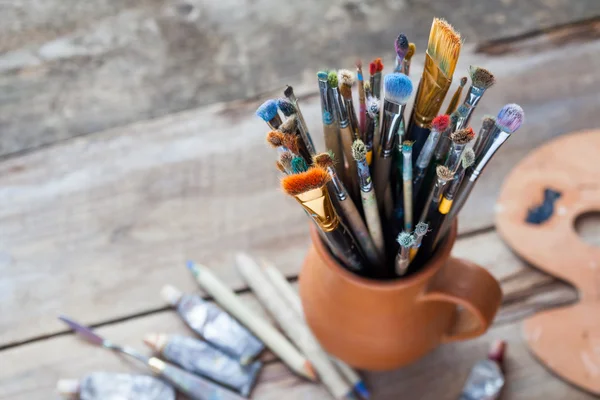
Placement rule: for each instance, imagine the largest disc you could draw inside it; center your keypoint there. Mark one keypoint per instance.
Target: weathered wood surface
(68, 68)
(120, 211)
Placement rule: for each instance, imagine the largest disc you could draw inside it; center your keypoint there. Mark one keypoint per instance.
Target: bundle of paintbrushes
(385, 191)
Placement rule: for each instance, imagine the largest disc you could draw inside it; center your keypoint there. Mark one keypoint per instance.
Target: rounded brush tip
(359, 150)
(398, 88)
(267, 110)
(468, 158)
(510, 118)
(286, 107)
(322, 75)
(441, 122)
(421, 229)
(405, 239)
(401, 46)
(332, 79)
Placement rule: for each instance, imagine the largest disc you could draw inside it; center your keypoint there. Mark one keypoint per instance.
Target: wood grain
(95, 226)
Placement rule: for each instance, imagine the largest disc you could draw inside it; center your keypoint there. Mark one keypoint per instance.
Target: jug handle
(474, 290)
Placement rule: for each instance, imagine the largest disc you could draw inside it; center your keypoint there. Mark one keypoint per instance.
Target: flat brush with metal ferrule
(331, 131)
(346, 136)
(441, 57)
(367, 194)
(481, 80)
(267, 111)
(310, 190)
(351, 215)
(460, 139)
(191, 385)
(509, 120)
(398, 89)
(302, 127)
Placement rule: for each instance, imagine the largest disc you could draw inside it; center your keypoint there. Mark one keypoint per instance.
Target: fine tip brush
(456, 97)
(487, 126)
(398, 89)
(401, 47)
(441, 57)
(367, 194)
(407, 59)
(309, 189)
(267, 111)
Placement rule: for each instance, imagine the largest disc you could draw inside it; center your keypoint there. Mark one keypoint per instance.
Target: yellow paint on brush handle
(369, 157)
(413, 253)
(445, 206)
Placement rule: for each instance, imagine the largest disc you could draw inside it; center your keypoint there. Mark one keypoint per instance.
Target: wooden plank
(69, 68)
(29, 372)
(97, 225)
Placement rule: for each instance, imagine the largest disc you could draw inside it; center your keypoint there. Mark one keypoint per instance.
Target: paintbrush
(263, 329)
(292, 326)
(441, 57)
(286, 107)
(299, 165)
(309, 189)
(487, 126)
(267, 111)
(407, 59)
(456, 97)
(401, 47)
(481, 80)
(443, 175)
(285, 158)
(459, 139)
(331, 131)
(367, 194)
(443, 147)
(362, 105)
(372, 117)
(438, 125)
(302, 127)
(407, 184)
(346, 135)
(406, 242)
(189, 384)
(291, 297)
(350, 213)
(467, 159)
(375, 69)
(420, 231)
(291, 128)
(509, 120)
(398, 89)
(346, 80)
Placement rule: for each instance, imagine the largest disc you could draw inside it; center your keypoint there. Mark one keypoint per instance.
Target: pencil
(254, 322)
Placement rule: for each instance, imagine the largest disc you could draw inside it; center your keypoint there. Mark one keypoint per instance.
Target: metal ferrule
(340, 109)
(407, 165)
(338, 186)
(483, 137)
(453, 160)
(376, 87)
(496, 142)
(318, 205)
(364, 176)
(472, 99)
(392, 117)
(327, 111)
(438, 190)
(428, 148)
(418, 240)
(455, 184)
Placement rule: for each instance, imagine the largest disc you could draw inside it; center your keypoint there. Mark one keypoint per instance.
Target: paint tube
(109, 386)
(486, 380)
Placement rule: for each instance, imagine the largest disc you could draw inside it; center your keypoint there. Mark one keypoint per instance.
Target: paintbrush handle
(351, 182)
(373, 219)
(344, 247)
(408, 209)
(191, 385)
(381, 179)
(333, 143)
(418, 135)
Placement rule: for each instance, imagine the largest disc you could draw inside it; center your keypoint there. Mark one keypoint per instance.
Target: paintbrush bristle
(463, 136)
(421, 229)
(398, 88)
(373, 107)
(488, 122)
(275, 138)
(379, 64)
(345, 77)
(346, 91)
(463, 81)
(299, 165)
(407, 145)
(289, 91)
(324, 160)
(296, 184)
(481, 77)
(289, 125)
(267, 110)
(444, 46)
(332, 79)
(280, 166)
(286, 107)
(468, 158)
(292, 142)
(359, 150)
(322, 76)
(285, 158)
(440, 123)
(405, 239)
(510, 118)
(372, 68)
(367, 86)
(443, 173)
(410, 52)
(401, 46)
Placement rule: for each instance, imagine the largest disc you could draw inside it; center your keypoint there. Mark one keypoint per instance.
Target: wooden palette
(566, 340)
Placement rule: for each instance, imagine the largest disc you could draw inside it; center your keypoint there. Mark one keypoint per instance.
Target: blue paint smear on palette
(539, 214)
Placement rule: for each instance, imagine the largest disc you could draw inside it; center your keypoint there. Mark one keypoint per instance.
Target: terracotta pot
(382, 325)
